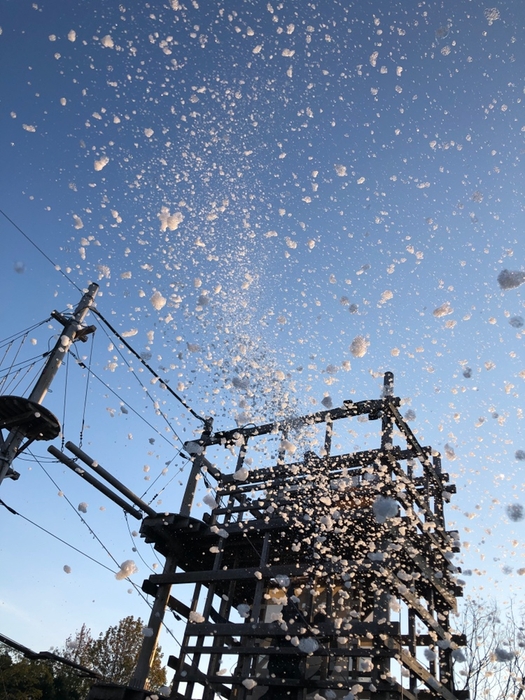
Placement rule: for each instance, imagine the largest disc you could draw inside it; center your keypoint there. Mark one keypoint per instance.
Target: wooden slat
(420, 671)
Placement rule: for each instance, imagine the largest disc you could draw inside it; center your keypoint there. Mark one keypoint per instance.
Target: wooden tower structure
(325, 575)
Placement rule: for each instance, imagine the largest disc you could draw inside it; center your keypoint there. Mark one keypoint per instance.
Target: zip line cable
(179, 471)
(141, 384)
(26, 331)
(152, 427)
(125, 403)
(132, 538)
(150, 369)
(57, 267)
(76, 549)
(83, 424)
(137, 588)
(56, 537)
(87, 556)
(75, 510)
(91, 531)
(178, 452)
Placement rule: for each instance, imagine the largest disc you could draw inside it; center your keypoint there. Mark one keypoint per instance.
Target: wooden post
(72, 330)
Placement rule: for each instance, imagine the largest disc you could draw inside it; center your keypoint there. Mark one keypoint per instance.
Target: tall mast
(27, 421)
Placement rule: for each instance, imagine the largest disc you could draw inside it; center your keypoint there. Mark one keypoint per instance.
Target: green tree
(22, 679)
(114, 653)
(77, 648)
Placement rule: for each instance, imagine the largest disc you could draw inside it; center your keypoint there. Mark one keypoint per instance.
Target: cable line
(150, 397)
(136, 354)
(56, 537)
(20, 365)
(26, 331)
(83, 366)
(135, 549)
(79, 551)
(83, 424)
(57, 267)
(180, 470)
(28, 370)
(75, 510)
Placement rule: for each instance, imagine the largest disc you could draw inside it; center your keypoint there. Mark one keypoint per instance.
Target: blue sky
(254, 186)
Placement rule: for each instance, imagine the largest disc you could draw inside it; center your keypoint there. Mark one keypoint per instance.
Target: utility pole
(27, 420)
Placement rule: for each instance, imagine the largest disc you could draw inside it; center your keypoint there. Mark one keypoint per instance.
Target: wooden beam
(419, 670)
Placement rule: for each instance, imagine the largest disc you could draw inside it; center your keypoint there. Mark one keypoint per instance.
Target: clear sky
(254, 186)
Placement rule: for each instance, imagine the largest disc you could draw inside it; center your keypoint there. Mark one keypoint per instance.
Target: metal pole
(72, 328)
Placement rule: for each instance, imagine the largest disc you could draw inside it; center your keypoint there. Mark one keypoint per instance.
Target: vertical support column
(412, 634)
(247, 664)
(328, 436)
(197, 464)
(190, 685)
(387, 423)
(149, 645)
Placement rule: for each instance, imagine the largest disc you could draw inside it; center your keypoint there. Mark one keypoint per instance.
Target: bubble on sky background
(442, 32)
(492, 14)
(516, 321)
(450, 453)
(510, 279)
(67, 569)
(19, 267)
(158, 301)
(467, 372)
(359, 346)
(515, 512)
(83, 507)
(444, 310)
(520, 455)
(127, 568)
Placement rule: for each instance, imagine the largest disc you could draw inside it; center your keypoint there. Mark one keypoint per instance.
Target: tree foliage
(113, 654)
(493, 667)
(21, 679)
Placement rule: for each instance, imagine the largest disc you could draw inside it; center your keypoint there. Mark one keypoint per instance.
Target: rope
(83, 424)
(146, 391)
(81, 364)
(17, 353)
(29, 368)
(56, 537)
(150, 369)
(11, 338)
(57, 267)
